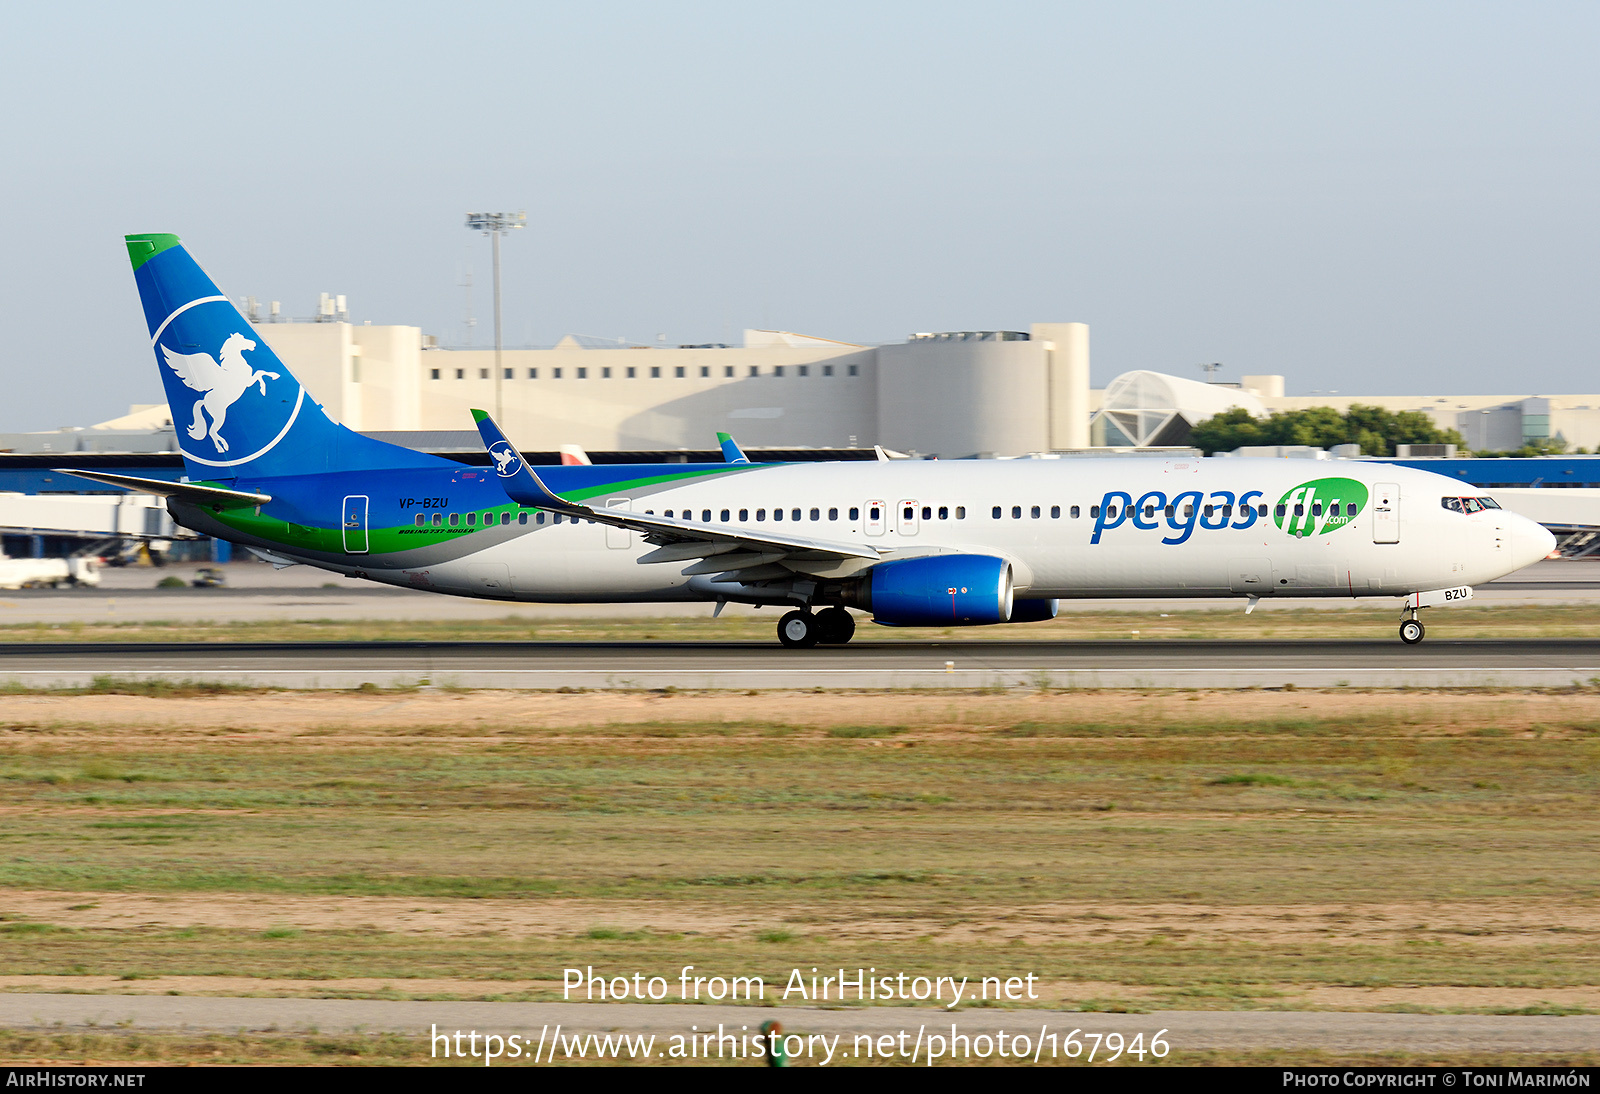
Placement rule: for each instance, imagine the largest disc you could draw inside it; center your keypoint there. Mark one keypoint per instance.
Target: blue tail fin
(238, 411)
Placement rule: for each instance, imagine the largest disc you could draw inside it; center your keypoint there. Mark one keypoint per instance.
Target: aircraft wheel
(835, 626)
(1411, 631)
(798, 630)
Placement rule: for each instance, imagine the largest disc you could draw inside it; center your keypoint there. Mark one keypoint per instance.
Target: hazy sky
(1397, 198)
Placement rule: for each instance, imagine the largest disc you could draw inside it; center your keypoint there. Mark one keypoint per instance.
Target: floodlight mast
(495, 225)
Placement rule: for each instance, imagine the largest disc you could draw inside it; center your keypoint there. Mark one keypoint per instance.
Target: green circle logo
(1319, 506)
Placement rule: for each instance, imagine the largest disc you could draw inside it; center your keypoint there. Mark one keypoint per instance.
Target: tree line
(1376, 429)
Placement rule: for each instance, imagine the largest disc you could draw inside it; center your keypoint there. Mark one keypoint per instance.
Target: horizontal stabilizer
(213, 496)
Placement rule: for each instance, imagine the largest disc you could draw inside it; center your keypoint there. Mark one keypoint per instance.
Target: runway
(1184, 1031)
(864, 664)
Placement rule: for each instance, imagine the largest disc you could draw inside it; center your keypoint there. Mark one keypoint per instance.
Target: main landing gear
(799, 629)
(1411, 628)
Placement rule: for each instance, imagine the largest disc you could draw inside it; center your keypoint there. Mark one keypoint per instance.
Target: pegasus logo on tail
(220, 385)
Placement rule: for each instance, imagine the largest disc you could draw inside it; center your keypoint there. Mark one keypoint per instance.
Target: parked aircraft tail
(238, 410)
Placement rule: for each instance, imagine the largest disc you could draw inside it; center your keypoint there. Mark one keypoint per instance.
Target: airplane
(913, 543)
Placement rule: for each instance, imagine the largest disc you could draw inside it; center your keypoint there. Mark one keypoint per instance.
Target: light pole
(495, 225)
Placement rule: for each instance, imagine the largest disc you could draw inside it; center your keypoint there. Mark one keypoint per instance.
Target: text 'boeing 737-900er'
(914, 543)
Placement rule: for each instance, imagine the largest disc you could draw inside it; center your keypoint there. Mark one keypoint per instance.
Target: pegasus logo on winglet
(220, 384)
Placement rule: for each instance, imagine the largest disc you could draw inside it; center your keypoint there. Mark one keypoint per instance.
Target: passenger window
(422, 518)
(1094, 511)
(667, 514)
(472, 518)
(944, 512)
(1316, 508)
(961, 512)
(1188, 511)
(927, 512)
(833, 514)
(455, 519)
(855, 514)
(816, 514)
(724, 516)
(1282, 510)
(1149, 512)
(1034, 512)
(761, 514)
(1208, 511)
(1016, 512)
(794, 515)
(1227, 512)
(1299, 510)
(744, 514)
(438, 519)
(705, 516)
(1263, 509)
(522, 518)
(996, 512)
(555, 518)
(1171, 511)
(1055, 512)
(1074, 512)
(1350, 509)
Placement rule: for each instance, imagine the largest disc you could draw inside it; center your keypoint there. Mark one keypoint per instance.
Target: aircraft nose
(1530, 541)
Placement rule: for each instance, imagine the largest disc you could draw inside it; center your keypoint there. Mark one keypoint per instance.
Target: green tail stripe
(142, 248)
(479, 415)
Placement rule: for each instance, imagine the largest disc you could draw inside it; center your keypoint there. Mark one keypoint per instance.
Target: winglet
(516, 477)
(731, 452)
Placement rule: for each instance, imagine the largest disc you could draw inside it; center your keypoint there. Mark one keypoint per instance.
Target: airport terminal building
(997, 392)
(952, 394)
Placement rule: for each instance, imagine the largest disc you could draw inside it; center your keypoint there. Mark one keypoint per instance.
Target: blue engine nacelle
(939, 591)
(1034, 611)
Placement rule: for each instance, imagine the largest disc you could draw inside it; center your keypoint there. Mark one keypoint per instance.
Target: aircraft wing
(214, 496)
(722, 548)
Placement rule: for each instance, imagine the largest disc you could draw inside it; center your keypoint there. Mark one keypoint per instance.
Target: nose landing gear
(1411, 628)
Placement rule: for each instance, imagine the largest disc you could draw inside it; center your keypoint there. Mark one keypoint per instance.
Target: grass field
(1134, 850)
(1074, 624)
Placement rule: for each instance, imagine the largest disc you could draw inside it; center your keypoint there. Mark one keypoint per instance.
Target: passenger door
(1385, 513)
(354, 523)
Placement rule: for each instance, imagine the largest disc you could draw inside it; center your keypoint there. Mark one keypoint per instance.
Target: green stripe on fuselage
(411, 537)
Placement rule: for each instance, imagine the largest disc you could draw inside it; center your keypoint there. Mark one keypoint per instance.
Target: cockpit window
(1468, 505)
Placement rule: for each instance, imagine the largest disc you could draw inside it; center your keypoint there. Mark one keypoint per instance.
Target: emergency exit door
(1386, 513)
(355, 524)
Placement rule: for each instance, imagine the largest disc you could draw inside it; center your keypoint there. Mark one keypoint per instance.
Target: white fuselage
(1181, 528)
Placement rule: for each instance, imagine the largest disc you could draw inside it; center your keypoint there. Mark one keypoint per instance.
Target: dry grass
(1135, 850)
